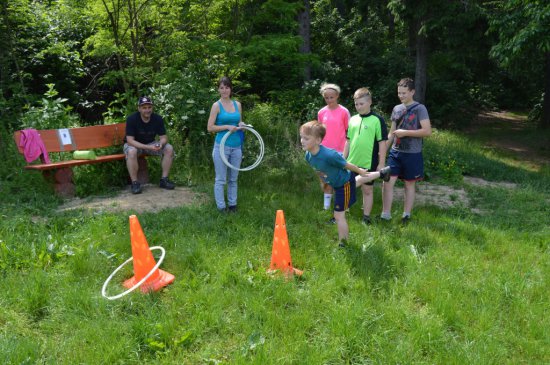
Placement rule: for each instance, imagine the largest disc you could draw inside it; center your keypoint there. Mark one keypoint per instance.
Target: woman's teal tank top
(225, 118)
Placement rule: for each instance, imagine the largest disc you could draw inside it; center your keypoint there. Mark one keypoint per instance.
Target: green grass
(453, 287)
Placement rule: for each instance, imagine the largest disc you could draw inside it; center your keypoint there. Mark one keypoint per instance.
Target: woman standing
(225, 116)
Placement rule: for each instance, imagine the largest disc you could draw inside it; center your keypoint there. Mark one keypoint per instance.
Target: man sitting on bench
(142, 127)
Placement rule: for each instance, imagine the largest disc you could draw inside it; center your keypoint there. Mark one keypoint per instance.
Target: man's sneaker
(385, 173)
(232, 209)
(342, 244)
(166, 184)
(332, 221)
(366, 220)
(136, 187)
(405, 220)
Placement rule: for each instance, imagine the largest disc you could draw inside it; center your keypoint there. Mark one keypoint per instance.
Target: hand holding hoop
(260, 155)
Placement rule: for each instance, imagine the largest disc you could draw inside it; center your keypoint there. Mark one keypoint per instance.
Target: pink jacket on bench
(32, 145)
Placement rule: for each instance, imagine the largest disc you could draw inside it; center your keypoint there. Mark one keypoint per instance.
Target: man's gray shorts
(140, 151)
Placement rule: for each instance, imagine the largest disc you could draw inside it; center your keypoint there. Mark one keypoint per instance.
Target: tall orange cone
(144, 262)
(280, 255)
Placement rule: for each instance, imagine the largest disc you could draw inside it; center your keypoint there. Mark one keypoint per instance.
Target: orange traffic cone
(280, 256)
(144, 262)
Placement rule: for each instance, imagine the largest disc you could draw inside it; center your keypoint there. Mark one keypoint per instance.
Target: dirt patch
(493, 184)
(152, 199)
(447, 197)
(433, 194)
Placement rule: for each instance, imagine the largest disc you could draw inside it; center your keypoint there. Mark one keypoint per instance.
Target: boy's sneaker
(136, 187)
(366, 219)
(405, 220)
(332, 221)
(166, 184)
(342, 244)
(232, 209)
(385, 173)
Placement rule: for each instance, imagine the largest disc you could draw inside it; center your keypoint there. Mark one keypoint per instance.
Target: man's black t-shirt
(144, 132)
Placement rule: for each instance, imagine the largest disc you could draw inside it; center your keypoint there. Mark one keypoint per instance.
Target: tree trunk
(391, 25)
(304, 22)
(545, 118)
(420, 77)
(114, 17)
(4, 68)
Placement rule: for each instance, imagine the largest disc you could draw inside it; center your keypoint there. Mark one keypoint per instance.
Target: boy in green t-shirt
(364, 130)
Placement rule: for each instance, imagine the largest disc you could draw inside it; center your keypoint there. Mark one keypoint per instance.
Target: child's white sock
(386, 216)
(327, 200)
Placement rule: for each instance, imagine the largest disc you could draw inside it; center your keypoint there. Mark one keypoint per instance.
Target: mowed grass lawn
(456, 286)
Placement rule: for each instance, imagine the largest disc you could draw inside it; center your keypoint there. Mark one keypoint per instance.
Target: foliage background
(462, 287)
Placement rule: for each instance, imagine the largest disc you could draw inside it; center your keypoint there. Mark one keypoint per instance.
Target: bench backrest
(81, 138)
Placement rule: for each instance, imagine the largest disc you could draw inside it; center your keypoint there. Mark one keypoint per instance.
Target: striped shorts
(344, 196)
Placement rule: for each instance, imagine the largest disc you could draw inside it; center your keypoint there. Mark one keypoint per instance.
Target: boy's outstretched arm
(357, 170)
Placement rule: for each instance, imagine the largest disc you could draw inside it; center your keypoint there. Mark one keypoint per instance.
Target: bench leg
(62, 180)
(143, 171)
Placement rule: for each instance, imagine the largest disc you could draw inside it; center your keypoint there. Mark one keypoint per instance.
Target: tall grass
(453, 287)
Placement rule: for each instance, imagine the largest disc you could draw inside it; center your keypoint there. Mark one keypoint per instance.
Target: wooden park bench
(60, 173)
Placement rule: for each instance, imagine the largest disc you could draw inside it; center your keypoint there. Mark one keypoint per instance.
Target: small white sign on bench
(65, 136)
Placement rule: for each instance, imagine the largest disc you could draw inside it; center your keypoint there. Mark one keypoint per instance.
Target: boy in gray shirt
(409, 124)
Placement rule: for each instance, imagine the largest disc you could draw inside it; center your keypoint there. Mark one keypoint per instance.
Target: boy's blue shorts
(406, 166)
(344, 196)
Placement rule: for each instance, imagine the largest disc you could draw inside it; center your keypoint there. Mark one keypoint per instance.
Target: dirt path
(511, 133)
(152, 199)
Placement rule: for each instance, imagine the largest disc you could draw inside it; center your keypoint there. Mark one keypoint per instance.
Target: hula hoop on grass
(260, 155)
(139, 283)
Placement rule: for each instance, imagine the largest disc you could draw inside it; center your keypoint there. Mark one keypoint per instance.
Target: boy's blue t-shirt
(225, 118)
(329, 165)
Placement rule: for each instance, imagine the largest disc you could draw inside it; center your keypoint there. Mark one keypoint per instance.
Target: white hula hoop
(139, 283)
(260, 156)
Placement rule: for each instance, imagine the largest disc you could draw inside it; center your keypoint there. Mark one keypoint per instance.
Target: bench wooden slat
(83, 138)
(71, 163)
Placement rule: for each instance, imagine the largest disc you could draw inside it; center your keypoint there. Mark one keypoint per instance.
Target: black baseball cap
(144, 100)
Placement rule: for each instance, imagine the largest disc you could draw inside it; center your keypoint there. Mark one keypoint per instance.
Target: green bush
(445, 156)
(53, 113)
(184, 99)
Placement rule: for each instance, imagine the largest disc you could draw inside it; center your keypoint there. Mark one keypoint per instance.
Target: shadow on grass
(372, 264)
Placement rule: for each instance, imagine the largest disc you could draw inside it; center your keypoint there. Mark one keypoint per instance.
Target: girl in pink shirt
(335, 117)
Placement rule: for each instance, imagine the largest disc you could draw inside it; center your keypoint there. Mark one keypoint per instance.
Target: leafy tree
(523, 46)
(42, 42)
